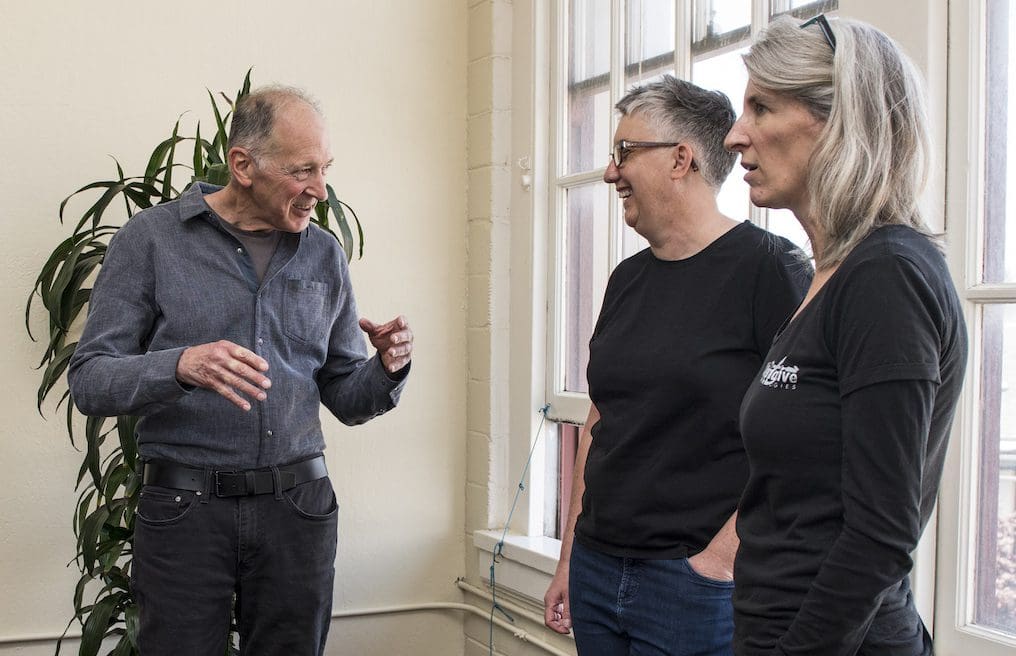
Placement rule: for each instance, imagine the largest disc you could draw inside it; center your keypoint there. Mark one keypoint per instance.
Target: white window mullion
(618, 30)
(683, 26)
(557, 201)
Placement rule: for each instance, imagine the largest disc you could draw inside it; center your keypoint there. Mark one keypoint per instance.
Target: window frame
(966, 210)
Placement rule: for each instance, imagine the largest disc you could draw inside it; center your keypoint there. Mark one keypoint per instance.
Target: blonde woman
(846, 425)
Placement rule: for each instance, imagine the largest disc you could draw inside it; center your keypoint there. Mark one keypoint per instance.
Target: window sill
(527, 564)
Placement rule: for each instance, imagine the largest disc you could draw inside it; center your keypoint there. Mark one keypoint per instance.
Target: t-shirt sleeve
(884, 324)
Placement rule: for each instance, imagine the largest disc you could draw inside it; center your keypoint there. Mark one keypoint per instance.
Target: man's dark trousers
(276, 551)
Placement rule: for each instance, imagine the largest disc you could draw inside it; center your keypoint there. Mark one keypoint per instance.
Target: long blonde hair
(871, 162)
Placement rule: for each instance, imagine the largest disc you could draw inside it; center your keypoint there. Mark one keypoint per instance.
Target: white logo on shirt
(778, 375)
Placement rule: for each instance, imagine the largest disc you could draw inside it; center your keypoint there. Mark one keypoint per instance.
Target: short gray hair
(254, 116)
(871, 161)
(682, 111)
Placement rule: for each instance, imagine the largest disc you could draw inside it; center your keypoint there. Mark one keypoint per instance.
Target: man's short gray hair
(254, 116)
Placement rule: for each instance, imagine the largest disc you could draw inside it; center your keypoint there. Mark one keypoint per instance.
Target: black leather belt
(232, 483)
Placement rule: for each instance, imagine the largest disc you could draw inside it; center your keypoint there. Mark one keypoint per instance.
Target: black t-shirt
(846, 429)
(675, 346)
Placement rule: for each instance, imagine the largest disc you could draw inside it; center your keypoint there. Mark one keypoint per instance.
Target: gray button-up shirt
(173, 278)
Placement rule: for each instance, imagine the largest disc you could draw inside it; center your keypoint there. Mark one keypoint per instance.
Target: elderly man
(224, 319)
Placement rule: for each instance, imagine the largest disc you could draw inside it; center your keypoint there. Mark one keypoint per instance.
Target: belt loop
(277, 483)
(207, 493)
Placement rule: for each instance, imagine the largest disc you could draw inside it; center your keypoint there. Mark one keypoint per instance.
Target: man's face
(288, 181)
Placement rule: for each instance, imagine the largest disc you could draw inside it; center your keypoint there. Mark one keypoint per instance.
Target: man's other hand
(229, 369)
(393, 341)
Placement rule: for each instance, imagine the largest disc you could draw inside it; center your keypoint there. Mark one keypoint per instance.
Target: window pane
(718, 25)
(783, 222)
(586, 267)
(995, 578)
(588, 117)
(999, 263)
(562, 442)
(649, 40)
(721, 16)
(803, 8)
(727, 73)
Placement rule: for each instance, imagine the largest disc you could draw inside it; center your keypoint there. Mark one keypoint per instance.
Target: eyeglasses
(823, 24)
(623, 148)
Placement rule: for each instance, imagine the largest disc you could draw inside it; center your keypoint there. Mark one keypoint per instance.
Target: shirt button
(269, 433)
(240, 251)
(260, 341)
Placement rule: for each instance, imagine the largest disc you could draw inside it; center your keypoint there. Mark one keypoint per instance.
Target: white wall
(86, 80)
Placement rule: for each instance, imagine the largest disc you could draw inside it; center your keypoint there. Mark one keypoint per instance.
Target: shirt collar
(192, 201)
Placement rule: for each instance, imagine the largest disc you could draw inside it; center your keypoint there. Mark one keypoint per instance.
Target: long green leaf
(67, 292)
(221, 136)
(63, 635)
(94, 213)
(347, 236)
(94, 437)
(84, 508)
(245, 89)
(54, 372)
(359, 227)
(89, 538)
(123, 647)
(113, 478)
(44, 282)
(199, 153)
(79, 592)
(167, 183)
(160, 157)
(130, 616)
(97, 624)
(52, 297)
(120, 176)
(211, 154)
(70, 415)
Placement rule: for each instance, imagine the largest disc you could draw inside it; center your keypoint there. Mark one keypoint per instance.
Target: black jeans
(276, 552)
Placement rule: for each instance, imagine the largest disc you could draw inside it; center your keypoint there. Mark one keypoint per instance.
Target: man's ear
(241, 165)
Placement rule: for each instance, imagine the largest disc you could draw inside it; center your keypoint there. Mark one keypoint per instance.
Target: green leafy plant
(108, 480)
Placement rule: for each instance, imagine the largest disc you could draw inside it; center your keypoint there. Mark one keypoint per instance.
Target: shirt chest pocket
(304, 309)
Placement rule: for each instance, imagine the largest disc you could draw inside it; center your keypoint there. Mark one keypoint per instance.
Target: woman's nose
(735, 139)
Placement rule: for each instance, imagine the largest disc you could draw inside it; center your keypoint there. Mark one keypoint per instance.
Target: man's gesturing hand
(393, 341)
(226, 368)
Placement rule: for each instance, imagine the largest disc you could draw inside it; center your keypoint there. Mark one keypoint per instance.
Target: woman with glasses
(846, 424)
(646, 560)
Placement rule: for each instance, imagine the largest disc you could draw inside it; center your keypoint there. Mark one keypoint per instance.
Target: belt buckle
(218, 485)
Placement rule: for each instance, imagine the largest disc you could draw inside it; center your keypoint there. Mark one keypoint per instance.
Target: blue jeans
(275, 552)
(633, 607)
